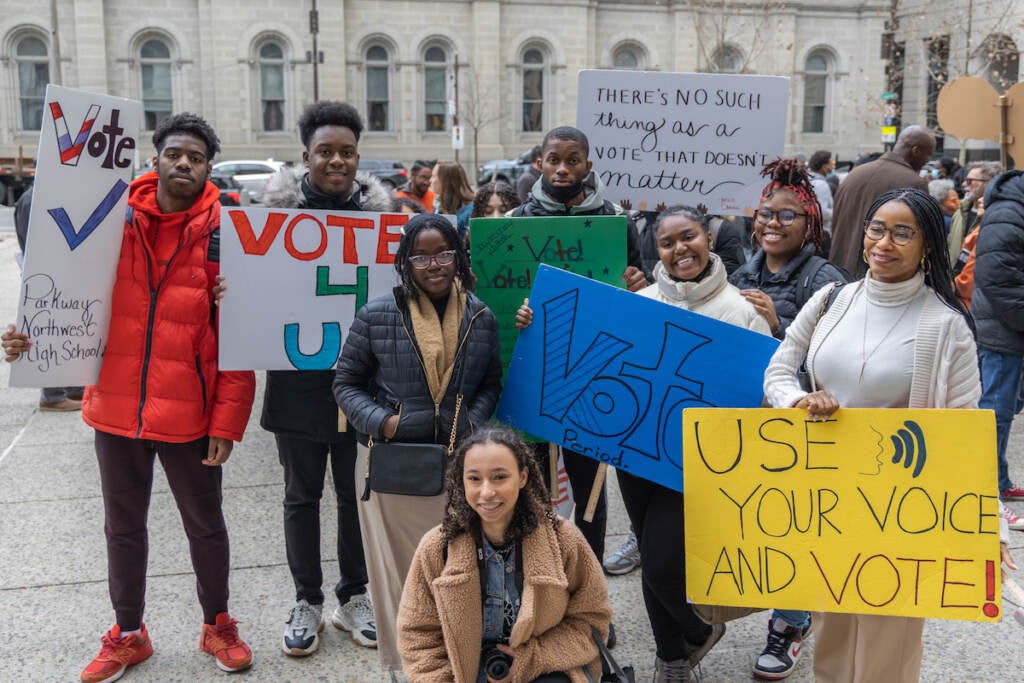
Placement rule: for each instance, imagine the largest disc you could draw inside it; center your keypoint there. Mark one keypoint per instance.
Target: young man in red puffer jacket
(161, 394)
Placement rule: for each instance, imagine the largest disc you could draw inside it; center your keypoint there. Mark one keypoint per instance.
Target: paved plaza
(53, 592)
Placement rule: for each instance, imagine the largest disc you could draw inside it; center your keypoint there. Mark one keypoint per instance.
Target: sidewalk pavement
(53, 595)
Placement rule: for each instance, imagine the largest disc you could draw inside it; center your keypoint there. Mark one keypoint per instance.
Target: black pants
(656, 513)
(582, 471)
(305, 466)
(126, 477)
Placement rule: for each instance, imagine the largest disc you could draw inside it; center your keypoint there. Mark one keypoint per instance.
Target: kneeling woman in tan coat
(503, 582)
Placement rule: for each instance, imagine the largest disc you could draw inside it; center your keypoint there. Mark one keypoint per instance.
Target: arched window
(626, 57)
(435, 88)
(378, 70)
(726, 60)
(157, 100)
(1002, 61)
(534, 71)
(33, 61)
(271, 68)
(817, 71)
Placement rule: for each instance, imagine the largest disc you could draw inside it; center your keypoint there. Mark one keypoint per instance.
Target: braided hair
(532, 507)
(789, 173)
(938, 273)
(430, 221)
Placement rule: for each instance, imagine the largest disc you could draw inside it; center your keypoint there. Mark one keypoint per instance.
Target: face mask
(831, 174)
(562, 194)
(935, 174)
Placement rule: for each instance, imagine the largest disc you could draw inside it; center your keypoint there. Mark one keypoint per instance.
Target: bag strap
(608, 661)
(805, 278)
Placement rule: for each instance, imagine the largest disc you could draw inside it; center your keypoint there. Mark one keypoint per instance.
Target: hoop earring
(864, 256)
(926, 266)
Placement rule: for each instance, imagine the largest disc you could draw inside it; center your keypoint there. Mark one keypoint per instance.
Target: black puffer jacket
(299, 403)
(784, 287)
(998, 301)
(380, 373)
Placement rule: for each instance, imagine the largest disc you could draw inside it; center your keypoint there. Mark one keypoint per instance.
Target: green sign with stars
(507, 251)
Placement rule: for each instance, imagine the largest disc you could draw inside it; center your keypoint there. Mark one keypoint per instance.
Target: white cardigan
(945, 373)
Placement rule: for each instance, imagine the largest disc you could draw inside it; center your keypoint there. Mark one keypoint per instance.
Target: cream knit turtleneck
(943, 360)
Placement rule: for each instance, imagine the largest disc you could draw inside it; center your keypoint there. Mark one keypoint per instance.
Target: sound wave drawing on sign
(908, 443)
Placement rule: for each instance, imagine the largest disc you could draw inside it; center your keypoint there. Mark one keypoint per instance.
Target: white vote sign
(84, 164)
(295, 280)
(682, 138)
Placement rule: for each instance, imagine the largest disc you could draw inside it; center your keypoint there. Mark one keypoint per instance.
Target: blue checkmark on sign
(76, 237)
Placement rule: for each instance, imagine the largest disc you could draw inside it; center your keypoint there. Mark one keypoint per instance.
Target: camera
(496, 663)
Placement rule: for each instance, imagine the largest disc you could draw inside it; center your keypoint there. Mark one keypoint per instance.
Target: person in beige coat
(460, 593)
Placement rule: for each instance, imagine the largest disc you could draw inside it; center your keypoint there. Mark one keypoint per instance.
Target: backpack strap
(129, 215)
(805, 277)
(213, 246)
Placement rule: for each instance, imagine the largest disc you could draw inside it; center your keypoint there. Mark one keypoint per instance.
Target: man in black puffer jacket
(568, 187)
(998, 310)
(299, 406)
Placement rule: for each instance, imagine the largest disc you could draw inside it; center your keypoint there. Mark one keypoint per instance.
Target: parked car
(232, 192)
(252, 174)
(390, 173)
(508, 170)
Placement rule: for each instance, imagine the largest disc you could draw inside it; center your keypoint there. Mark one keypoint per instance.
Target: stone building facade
(245, 64)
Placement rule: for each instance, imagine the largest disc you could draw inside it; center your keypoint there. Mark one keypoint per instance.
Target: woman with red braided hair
(787, 267)
(779, 278)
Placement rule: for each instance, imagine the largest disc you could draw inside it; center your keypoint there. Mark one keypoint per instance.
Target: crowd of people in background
(480, 580)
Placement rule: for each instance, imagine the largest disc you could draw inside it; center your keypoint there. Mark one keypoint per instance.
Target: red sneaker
(223, 642)
(1012, 493)
(117, 654)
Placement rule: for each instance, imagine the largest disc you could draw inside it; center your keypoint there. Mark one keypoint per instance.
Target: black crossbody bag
(410, 469)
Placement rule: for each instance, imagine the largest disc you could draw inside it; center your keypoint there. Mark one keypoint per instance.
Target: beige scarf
(438, 341)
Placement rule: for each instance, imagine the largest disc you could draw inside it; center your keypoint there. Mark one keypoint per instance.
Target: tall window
(816, 72)
(271, 66)
(626, 58)
(937, 49)
(33, 75)
(1002, 61)
(726, 60)
(533, 90)
(377, 71)
(435, 89)
(157, 101)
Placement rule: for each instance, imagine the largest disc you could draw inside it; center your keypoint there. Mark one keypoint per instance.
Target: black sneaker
(782, 651)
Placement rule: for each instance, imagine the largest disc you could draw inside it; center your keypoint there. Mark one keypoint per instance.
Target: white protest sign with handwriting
(682, 138)
(295, 280)
(83, 167)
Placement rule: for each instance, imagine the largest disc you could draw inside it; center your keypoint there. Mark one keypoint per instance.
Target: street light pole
(455, 116)
(314, 28)
(57, 75)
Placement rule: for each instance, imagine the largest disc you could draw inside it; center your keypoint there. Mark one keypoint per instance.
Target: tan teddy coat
(440, 620)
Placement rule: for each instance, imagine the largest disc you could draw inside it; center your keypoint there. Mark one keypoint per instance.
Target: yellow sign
(874, 512)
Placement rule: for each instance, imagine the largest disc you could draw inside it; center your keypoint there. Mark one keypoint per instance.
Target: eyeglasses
(971, 181)
(785, 216)
(899, 235)
(443, 258)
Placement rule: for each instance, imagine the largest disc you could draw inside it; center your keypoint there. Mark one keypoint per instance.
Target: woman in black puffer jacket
(786, 269)
(406, 360)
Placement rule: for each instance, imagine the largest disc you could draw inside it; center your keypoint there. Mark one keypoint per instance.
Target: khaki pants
(392, 527)
(860, 648)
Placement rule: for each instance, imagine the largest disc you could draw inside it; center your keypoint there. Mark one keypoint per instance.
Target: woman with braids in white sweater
(899, 338)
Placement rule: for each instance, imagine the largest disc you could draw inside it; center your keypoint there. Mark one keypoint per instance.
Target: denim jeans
(793, 617)
(1001, 392)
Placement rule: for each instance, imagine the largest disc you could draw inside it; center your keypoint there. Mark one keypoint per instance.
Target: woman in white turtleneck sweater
(899, 338)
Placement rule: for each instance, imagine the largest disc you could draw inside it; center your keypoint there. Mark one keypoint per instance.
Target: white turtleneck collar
(893, 293)
(689, 294)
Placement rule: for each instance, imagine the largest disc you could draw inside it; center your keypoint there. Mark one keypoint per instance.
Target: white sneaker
(1013, 520)
(301, 635)
(356, 617)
